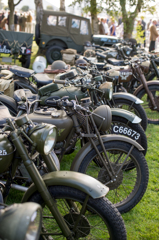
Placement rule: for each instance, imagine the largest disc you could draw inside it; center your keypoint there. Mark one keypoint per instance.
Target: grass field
(142, 222)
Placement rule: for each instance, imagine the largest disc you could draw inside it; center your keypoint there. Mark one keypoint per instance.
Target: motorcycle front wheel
(105, 222)
(131, 178)
(152, 114)
(132, 107)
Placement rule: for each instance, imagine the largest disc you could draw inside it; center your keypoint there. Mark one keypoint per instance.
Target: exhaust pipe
(18, 187)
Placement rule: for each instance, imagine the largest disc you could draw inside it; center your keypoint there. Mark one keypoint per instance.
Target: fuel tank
(56, 117)
(51, 90)
(6, 153)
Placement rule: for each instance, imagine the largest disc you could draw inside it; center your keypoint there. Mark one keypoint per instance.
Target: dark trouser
(152, 46)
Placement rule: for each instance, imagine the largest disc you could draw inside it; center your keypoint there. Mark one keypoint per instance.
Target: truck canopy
(12, 37)
(68, 25)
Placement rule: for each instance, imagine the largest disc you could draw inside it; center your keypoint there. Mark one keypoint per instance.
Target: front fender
(127, 96)
(149, 83)
(79, 181)
(131, 117)
(105, 138)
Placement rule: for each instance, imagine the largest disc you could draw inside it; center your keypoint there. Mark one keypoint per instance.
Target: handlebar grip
(101, 55)
(59, 81)
(86, 59)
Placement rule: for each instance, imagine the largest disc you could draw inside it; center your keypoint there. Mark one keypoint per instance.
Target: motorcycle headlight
(44, 136)
(107, 89)
(22, 220)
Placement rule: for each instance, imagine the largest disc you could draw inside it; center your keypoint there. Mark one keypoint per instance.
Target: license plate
(129, 132)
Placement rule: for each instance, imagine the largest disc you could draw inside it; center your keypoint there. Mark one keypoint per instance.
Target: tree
(129, 10)
(49, 7)
(25, 8)
(62, 5)
(39, 10)
(92, 7)
(12, 5)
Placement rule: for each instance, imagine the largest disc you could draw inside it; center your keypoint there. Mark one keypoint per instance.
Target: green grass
(142, 222)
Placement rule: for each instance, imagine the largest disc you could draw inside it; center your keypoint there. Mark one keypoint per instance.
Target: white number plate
(125, 131)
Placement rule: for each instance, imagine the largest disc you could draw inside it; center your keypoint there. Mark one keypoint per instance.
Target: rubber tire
(10, 104)
(139, 159)
(102, 206)
(139, 110)
(26, 64)
(142, 93)
(37, 33)
(136, 127)
(50, 51)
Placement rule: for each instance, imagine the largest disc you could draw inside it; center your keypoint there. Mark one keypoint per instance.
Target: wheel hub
(104, 177)
(83, 227)
(156, 99)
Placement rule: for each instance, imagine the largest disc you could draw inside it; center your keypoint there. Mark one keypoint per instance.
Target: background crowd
(22, 21)
(146, 33)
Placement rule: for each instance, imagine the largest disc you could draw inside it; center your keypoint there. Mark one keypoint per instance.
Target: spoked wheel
(134, 131)
(127, 189)
(104, 223)
(152, 114)
(132, 107)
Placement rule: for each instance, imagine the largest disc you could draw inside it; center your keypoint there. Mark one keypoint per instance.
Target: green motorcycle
(120, 154)
(67, 198)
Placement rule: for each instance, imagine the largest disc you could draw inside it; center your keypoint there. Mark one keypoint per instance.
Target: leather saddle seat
(21, 72)
(115, 62)
(4, 115)
(42, 79)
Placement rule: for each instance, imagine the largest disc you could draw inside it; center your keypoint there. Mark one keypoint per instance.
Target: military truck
(61, 30)
(18, 45)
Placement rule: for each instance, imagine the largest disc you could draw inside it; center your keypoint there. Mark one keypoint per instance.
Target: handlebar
(60, 81)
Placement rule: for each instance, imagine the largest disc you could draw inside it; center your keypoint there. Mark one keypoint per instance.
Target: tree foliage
(25, 8)
(49, 7)
(129, 10)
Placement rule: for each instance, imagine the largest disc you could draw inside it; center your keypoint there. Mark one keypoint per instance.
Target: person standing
(143, 26)
(101, 27)
(15, 21)
(23, 23)
(29, 22)
(106, 29)
(112, 28)
(153, 35)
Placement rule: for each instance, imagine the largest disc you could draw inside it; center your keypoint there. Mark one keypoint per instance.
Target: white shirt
(106, 27)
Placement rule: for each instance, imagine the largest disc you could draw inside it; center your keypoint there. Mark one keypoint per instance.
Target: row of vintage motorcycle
(45, 121)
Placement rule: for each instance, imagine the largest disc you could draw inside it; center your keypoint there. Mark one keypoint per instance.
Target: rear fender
(127, 96)
(149, 83)
(106, 138)
(131, 117)
(79, 181)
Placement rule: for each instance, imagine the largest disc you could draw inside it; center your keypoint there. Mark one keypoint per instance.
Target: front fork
(40, 184)
(144, 82)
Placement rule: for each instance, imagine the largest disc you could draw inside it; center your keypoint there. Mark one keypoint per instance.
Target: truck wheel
(26, 61)
(53, 53)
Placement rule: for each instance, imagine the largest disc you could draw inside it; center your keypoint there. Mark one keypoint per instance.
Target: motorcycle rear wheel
(152, 115)
(104, 223)
(132, 180)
